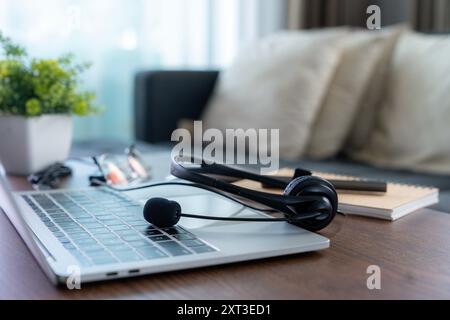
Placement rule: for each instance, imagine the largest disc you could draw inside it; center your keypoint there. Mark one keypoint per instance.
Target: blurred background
(121, 37)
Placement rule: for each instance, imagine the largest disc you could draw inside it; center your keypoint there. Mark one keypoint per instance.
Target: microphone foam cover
(161, 212)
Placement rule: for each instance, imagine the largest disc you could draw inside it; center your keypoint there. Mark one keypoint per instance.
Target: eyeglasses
(125, 169)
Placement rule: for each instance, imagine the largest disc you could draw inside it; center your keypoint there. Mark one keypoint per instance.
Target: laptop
(102, 234)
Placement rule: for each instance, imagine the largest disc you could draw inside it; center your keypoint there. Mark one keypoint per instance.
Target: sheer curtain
(121, 37)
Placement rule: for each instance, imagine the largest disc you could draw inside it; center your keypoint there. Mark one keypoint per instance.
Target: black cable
(96, 164)
(187, 215)
(85, 160)
(50, 176)
(183, 184)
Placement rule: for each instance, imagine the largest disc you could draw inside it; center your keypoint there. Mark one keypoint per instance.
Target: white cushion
(362, 52)
(372, 97)
(413, 126)
(278, 82)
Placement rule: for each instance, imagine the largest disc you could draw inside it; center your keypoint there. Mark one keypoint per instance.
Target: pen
(348, 185)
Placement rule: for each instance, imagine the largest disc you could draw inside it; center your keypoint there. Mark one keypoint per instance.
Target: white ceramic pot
(30, 144)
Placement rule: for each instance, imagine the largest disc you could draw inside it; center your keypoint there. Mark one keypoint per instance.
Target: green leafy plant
(32, 87)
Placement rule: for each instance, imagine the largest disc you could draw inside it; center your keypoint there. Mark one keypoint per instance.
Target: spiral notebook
(398, 201)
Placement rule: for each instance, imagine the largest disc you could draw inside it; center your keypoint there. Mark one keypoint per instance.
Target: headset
(308, 201)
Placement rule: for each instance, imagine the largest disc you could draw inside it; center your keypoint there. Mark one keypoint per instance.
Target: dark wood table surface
(413, 254)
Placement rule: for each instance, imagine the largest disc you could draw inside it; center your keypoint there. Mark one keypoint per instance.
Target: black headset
(308, 201)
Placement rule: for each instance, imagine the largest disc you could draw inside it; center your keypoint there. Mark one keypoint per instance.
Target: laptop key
(69, 224)
(137, 223)
(140, 243)
(99, 231)
(114, 222)
(174, 230)
(143, 228)
(69, 246)
(54, 212)
(111, 242)
(184, 236)
(49, 224)
(106, 236)
(126, 216)
(80, 215)
(57, 209)
(192, 243)
(63, 221)
(48, 205)
(86, 220)
(92, 225)
(128, 232)
(79, 235)
(93, 248)
(126, 256)
(72, 249)
(105, 217)
(78, 212)
(151, 253)
(93, 208)
(119, 247)
(59, 216)
(59, 234)
(132, 237)
(85, 241)
(73, 228)
(174, 248)
(119, 228)
(159, 238)
(64, 240)
(53, 228)
(151, 232)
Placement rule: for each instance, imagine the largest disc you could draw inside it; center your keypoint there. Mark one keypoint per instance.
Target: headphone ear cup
(314, 186)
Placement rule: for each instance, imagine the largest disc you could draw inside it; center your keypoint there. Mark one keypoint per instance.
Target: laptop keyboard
(101, 226)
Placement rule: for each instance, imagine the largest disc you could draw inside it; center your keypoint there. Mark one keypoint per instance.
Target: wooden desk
(413, 254)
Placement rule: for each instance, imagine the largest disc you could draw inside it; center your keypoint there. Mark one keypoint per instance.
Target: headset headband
(199, 175)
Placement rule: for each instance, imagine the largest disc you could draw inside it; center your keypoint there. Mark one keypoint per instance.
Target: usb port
(134, 271)
(111, 274)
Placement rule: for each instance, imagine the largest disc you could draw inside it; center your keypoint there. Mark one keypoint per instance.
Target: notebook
(398, 201)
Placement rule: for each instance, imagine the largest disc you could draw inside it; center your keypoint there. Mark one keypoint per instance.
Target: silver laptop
(102, 233)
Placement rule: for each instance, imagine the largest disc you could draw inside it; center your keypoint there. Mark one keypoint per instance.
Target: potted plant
(37, 99)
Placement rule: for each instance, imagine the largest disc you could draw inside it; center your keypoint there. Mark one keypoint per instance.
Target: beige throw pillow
(361, 53)
(373, 95)
(277, 83)
(413, 127)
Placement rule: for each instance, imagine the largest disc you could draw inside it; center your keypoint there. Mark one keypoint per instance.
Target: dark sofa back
(162, 98)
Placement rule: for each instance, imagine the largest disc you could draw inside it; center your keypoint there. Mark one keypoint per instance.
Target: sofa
(163, 98)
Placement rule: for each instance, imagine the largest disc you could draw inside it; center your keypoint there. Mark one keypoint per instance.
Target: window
(121, 37)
